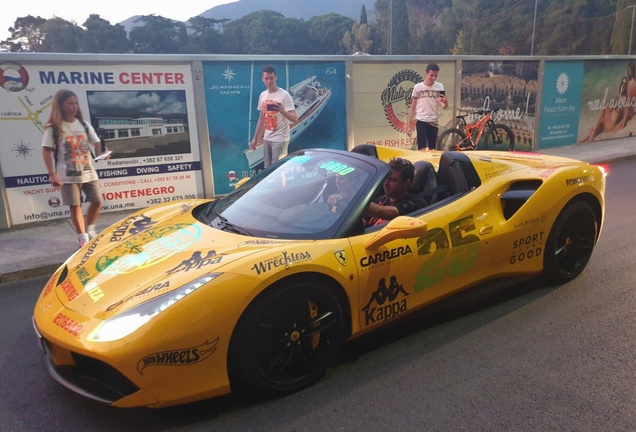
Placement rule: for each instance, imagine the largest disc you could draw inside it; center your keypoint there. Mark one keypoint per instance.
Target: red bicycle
(470, 136)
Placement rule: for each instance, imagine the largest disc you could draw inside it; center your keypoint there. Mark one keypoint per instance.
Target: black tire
(452, 139)
(286, 339)
(570, 243)
(499, 137)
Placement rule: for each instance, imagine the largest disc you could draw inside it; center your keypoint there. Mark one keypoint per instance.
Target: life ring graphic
(13, 77)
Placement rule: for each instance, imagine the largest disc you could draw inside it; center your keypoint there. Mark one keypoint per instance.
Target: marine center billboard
(144, 113)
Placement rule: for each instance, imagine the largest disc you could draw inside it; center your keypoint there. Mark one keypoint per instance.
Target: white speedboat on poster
(310, 97)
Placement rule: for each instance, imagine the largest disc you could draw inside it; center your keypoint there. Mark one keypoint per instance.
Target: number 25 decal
(448, 258)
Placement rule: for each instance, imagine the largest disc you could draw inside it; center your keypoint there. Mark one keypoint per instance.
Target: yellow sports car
(259, 289)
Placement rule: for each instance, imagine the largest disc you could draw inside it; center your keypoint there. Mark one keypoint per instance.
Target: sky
(114, 11)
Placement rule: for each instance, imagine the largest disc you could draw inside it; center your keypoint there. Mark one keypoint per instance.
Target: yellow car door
(415, 268)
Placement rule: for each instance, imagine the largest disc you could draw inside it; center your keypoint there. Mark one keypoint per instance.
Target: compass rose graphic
(228, 74)
(22, 149)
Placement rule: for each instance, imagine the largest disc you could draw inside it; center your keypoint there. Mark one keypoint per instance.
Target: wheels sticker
(179, 357)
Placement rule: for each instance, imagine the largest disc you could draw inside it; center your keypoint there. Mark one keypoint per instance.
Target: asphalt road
(526, 358)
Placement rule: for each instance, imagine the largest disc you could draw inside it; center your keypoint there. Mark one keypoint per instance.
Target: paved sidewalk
(38, 249)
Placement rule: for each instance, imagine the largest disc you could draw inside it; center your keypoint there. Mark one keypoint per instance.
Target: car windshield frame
(291, 199)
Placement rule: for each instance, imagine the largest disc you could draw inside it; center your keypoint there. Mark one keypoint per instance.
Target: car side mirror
(402, 227)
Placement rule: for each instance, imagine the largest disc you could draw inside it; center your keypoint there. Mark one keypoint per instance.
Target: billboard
(382, 94)
(232, 91)
(510, 86)
(561, 101)
(608, 100)
(144, 113)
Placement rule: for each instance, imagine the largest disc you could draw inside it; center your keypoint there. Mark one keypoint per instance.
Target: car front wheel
(287, 338)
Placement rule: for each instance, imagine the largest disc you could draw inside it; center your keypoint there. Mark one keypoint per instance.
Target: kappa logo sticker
(386, 300)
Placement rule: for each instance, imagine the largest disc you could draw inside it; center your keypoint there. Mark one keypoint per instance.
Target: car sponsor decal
(341, 257)
(152, 247)
(68, 324)
(531, 221)
(284, 260)
(452, 255)
(577, 181)
(179, 357)
(260, 243)
(386, 256)
(527, 247)
(69, 290)
(139, 223)
(156, 287)
(196, 261)
(386, 302)
(90, 250)
(49, 286)
(94, 292)
(496, 170)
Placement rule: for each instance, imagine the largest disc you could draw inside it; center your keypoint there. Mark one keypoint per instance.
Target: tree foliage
(431, 27)
(326, 32)
(156, 35)
(102, 37)
(26, 35)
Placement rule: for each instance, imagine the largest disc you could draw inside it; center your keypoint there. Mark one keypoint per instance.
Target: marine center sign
(144, 113)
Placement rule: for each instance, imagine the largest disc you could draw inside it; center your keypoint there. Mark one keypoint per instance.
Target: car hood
(146, 255)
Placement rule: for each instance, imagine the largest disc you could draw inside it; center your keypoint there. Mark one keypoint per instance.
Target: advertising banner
(382, 96)
(232, 92)
(143, 113)
(511, 86)
(608, 100)
(561, 102)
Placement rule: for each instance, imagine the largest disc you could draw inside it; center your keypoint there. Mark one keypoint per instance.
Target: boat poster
(143, 113)
(232, 90)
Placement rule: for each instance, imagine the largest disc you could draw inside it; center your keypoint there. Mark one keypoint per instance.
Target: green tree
(401, 28)
(382, 12)
(363, 16)
(266, 32)
(620, 38)
(458, 48)
(205, 36)
(62, 36)
(102, 37)
(26, 35)
(157, 35)
(359, 39)
(326, 32)
(578, 27)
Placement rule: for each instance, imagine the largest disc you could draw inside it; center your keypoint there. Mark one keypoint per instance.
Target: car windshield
(308, 195)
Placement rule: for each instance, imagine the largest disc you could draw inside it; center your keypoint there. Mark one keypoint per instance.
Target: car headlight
(125, 323)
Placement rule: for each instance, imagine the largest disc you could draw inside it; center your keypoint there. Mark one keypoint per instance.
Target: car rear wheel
(287, 339)
(571, 242)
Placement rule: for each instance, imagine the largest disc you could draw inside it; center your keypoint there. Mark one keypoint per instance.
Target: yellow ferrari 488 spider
(189, 300)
